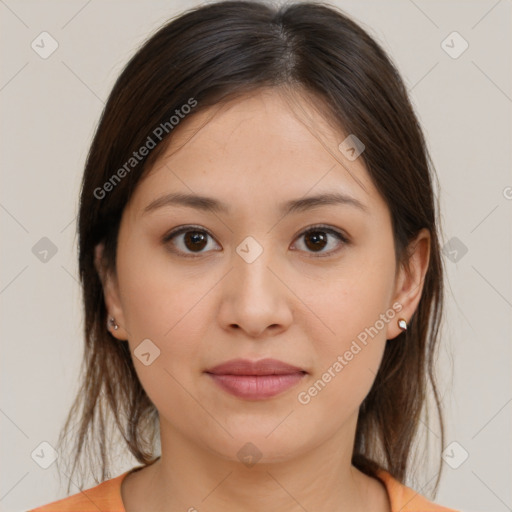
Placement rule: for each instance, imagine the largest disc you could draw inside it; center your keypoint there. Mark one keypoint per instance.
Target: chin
(254, 445)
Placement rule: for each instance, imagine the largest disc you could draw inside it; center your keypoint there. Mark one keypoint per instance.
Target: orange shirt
(106, 497)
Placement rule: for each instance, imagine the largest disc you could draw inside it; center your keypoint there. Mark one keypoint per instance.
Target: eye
(317, 238)
(188, 238)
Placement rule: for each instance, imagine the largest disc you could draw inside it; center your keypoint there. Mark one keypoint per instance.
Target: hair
(214, 53)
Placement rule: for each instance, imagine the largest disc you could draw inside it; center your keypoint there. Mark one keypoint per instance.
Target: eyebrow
(214, 205)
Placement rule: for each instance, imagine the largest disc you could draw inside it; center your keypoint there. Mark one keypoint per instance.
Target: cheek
(160, 307)
(349, 328)
(156, 297)
(174, 322)
(342, 310)
(346, 369)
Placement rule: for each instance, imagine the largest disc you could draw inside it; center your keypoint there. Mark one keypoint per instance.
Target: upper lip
(261, 367)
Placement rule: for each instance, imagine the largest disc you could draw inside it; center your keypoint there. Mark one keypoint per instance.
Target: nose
(255, 298)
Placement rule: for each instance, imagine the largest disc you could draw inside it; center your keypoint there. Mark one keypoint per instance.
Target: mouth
(255, 380)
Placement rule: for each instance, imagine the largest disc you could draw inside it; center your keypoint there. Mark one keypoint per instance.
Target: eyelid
(183, 229)
(329, 229)
(338, 233)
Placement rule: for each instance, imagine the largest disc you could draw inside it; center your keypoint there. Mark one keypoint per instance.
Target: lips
(261, 367)
(255, 380)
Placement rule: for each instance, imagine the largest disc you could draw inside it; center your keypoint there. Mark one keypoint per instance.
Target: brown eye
(317, 238)
(188, 240)
(195, 240)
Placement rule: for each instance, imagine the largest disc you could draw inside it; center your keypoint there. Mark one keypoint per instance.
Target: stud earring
(402, 324)
(112, 322)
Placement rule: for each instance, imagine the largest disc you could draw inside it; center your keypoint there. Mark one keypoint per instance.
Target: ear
(111, 294)
(409, 281)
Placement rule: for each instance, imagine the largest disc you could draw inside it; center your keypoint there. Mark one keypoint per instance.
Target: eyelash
(322, 228)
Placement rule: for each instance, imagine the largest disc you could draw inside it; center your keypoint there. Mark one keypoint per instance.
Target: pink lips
(255, 380)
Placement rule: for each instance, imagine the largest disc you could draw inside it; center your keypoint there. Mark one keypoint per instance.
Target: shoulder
(405, 499)
(105, 496)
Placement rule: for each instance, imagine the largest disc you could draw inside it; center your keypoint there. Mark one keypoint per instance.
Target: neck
(190, 477)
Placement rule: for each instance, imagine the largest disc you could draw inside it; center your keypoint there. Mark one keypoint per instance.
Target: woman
(261, 271)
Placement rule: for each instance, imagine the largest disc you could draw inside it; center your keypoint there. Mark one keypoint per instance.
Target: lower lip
(256, 387)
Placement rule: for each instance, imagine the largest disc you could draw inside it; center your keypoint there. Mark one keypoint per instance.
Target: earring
(112, 322)
(402, 324)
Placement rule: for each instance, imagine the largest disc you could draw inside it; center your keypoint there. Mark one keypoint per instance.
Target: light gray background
(49, 111)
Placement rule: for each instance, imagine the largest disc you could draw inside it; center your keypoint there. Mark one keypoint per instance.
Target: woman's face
(245, 280)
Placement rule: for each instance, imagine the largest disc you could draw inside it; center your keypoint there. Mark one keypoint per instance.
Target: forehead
(266, 146)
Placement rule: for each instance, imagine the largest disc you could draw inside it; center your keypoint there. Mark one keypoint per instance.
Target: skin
(289, 304)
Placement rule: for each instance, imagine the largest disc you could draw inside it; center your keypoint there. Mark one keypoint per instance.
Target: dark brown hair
(211, 54)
